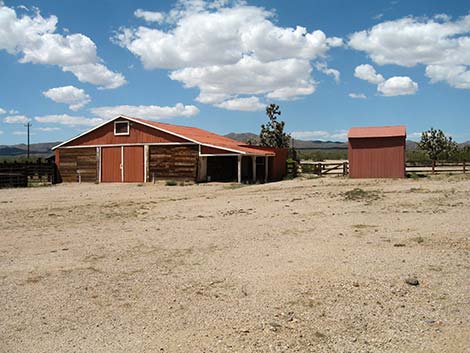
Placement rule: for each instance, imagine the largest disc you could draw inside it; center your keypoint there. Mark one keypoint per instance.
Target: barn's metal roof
(377, 131)
(192, 134)
(205, 137)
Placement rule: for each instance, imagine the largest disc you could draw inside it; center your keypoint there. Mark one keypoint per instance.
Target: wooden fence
(436, 168)
(324, 168)
(15, 174)
(342, 168)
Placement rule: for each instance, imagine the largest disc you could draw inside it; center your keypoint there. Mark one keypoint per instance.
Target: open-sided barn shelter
(127, 149)
(377, 152)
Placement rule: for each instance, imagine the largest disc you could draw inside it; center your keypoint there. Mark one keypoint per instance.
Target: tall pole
(28, 125)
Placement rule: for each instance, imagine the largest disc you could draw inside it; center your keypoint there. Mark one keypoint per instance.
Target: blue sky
(66, 66)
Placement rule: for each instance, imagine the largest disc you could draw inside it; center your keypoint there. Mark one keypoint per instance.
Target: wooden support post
(98, 163)
(266, 168)
(253, 160)
(146, 163)
(433, 167)
(464, 171)
(345, 168)
(239, 168)
(202, 169)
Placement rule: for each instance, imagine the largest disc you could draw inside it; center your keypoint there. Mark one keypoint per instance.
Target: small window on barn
(121, 128)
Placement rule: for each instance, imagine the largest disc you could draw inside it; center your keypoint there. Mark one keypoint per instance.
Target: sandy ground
(284, 267)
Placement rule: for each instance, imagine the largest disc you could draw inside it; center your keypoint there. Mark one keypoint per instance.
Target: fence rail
(436, 168)
(323, 168)
(342, 168)
(16, 174)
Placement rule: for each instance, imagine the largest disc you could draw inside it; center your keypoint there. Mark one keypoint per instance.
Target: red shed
(377, 152)
(127, 149)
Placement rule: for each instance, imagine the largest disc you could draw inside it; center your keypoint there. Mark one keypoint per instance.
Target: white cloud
(75, 97)
(2, 111)
(457, 76)
(249, 104)
(16, 119)
(68, 120)
(323, 67)
(149, 16)
(394, 86)
(154, 112)
(97, 74)
(47, 129)
(320, 135)
(367, 73)
(357, 95)
(282, 79)
(230, 51)
(398, 86)
(13, 112)
(35, 38)
(439, 43)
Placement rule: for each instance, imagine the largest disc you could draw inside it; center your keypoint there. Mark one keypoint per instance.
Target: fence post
(345, 168)
(433, 167)
(464, 167)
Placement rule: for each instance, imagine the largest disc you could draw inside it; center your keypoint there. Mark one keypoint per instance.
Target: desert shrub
(171, 183)
(292, 167)
(416, 176)
(359, 194)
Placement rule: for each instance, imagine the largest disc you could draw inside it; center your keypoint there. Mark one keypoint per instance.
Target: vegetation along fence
(23, 174)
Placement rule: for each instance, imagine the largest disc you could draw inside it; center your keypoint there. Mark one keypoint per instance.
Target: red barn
(377, 152)
(127, 149)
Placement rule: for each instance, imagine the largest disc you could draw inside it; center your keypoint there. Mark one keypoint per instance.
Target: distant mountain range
(312, 144)
(36, 149)
(44, 149)
(301, 144)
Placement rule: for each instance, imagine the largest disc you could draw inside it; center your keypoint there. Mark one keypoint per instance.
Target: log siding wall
(179, 162)
(72, 160)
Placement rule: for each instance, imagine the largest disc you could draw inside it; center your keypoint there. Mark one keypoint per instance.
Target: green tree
(437, 145)
(272, 134)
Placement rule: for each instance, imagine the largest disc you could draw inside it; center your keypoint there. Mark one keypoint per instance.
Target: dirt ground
(295, 266)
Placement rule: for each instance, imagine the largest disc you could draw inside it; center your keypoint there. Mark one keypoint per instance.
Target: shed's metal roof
(377, 131)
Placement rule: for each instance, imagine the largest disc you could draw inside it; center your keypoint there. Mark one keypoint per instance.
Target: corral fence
(342, 168)
(437, 168)
(324, 168)
(23, 174)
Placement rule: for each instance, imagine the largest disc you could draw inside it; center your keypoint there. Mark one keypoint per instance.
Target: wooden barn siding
(277, 167)
(178, 162)
(73, 159)
(137, 134)
(278, 164)
(377, 157)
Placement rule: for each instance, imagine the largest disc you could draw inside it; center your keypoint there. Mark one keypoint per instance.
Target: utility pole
(28, 125)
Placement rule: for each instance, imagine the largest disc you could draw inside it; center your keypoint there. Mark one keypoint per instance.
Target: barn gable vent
(121, 128)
